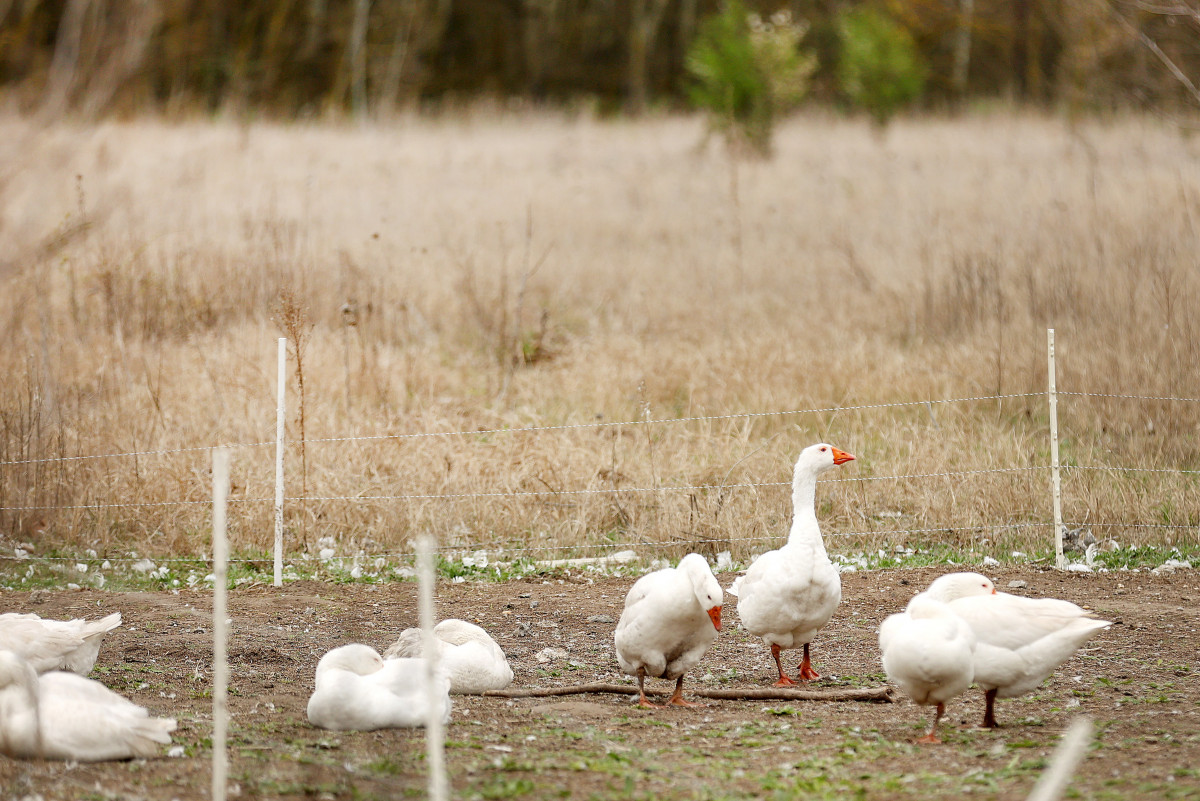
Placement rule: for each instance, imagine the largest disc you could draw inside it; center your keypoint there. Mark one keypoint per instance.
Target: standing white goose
(55, 644)
(356, 689)
(61, 715)
(929, 652)
(474, 661)
(789, 594)
(671, 617)
(1020, 641)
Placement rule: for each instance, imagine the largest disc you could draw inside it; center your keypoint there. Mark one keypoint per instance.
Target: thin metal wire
(1131, 469)
(1130, 397)
(130, 505)
(522, 493)
(162, 452)
(460, 548)
(502, 550)
(655, 421)
(534, 429)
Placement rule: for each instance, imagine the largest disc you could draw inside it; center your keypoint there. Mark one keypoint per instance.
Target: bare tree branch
(878, 694)
(1158, 52)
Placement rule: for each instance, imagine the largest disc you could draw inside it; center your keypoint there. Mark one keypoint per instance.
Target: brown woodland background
(311, 57)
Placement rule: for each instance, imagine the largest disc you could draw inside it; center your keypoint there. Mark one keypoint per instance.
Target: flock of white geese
(959, 631)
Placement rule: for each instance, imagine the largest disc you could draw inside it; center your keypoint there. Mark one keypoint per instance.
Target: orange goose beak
(841, 457)
(714, 615)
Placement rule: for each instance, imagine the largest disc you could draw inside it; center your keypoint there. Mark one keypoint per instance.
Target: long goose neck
(804, 513)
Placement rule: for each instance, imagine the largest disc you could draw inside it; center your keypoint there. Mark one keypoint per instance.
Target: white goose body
(55, 644)
(474, 661)
(929, 653)
(61, 715)
(670, 619)
(789, 594)
(357, 689)
(1020, 641)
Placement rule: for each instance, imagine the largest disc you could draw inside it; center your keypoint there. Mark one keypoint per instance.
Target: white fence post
(280, 419)
(1059, 561)
(220, 627)
(434, 731)
(1070, 752)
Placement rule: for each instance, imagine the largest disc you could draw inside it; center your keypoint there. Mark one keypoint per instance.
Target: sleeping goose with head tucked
(671, 617)
(474, 661)
(358, 690)
(789, 594)
(1019, 641)
(61, 715)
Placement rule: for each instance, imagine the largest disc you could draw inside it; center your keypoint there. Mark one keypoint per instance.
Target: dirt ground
(1137, 681)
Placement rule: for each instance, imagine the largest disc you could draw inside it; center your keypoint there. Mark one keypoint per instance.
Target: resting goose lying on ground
(55, 644)
(472, 659)
(61, 715)
(357, 689)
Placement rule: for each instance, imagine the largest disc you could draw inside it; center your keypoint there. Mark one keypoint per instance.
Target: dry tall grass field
(491, 274)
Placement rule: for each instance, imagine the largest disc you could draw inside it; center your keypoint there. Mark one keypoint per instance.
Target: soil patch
(1137, 681)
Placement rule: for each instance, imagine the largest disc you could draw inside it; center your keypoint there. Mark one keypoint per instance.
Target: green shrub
(747, 72)
(879, 69)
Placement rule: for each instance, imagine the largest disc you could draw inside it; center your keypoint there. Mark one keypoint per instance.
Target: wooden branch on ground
(883, 694)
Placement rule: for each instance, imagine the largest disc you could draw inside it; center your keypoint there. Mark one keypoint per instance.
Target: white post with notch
(280, 427)
(1059, 560)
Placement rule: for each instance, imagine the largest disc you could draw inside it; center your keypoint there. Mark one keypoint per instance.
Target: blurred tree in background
(747, 71)
(879, 68)
(310, 57)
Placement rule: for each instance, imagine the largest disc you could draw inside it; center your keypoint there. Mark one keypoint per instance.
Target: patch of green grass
(55, 569)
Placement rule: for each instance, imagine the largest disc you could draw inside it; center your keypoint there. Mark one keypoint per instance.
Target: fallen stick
(878, 694)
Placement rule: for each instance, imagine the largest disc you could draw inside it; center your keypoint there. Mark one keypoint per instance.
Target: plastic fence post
(280, 419)
(1056, 486)
(220, 625)
(434, 731)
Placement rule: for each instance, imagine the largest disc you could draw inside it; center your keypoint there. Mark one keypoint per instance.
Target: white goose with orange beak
(671, 617)
(789, 594)
(1020, 641)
